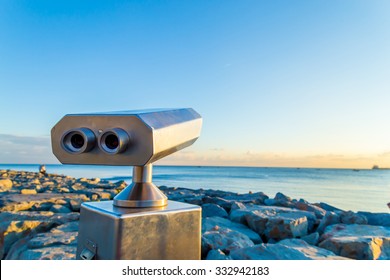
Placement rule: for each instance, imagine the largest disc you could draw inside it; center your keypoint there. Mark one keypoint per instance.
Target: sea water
(356, 190)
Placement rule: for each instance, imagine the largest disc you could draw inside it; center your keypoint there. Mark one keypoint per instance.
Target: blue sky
(278, 83)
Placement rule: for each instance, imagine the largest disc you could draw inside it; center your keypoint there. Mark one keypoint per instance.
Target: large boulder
(377, 219)
(362, 242)
(5, 185)
(288, 249)
(224, 239)
(212, 223)
(213, 210)
(275, 223)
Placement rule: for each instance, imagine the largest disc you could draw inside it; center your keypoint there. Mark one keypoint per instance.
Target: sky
(278, 83)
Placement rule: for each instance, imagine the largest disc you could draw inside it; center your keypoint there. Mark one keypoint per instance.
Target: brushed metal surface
(171, 232)
(152, 134)
(142, 192)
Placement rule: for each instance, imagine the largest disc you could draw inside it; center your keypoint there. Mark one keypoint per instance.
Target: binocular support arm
(142, 192)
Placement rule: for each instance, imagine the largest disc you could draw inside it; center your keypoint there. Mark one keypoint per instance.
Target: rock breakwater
(40, 212)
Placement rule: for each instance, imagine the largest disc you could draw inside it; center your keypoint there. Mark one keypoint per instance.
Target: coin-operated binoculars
(140, 223)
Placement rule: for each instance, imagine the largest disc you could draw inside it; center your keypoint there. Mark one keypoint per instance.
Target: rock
(211, 210)
(275, 222)
(217, 255)
(282, 197)
(305, 206)
(5, 185)
(21, 202)
(28, 191)
(226, 204)
(225, 240)
(211, 223)
(352, 218)
(75, 204)
(68, 227)
(376, 219)
(255, 198)
(328, 207)
(288, 249)
(330, 218)
(19, 225)
(362, 242)
(311, 239)
(60, 209)
(46, 253)
(237, 205)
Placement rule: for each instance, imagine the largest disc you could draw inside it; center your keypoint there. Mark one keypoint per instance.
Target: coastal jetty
(40, 212)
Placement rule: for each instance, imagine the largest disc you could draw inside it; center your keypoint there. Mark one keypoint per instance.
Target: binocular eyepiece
(83, 140)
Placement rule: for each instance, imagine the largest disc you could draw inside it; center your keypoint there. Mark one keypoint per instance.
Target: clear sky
(278, 83)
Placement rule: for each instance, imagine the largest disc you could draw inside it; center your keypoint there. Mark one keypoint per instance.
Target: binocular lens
(77, 141)
(112, 141)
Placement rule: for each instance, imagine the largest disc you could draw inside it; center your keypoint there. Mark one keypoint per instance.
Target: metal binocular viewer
(139, 223)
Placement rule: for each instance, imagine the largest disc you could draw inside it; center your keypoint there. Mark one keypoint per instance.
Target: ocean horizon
(347, 189)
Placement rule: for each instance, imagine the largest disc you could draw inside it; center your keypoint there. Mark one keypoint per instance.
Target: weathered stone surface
(311, 239)
(306, 206)
(60, 209)
(377, 219)
(211, 210)
(288, 249)
(352, 218)
(20, 202)
(5, 184)
(28, 191)
(330, 218)
(226, 204)
(255, 198)
(217, 255)
(224, 239)
(212, 223)
(363, 242)
(18, 225)
(275, 222)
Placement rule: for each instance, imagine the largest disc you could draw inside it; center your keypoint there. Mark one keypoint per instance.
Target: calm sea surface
(365, 190)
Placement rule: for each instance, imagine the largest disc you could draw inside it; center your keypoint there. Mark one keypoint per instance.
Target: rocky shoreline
(40, 212)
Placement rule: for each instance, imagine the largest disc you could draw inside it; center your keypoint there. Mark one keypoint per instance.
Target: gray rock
(289, 249)
(352, 218)
(377, 219)
(237, 205)
(275, 222)
(214, 223)
(362, 242)
(49, 253)
(255, 198)
(60, 209)
(305, 206)
(225, 240)
(213, 210)
(226, 204)
(330, 218)
(217, 255)
(311, 239)
(68, 227)
(328, 207)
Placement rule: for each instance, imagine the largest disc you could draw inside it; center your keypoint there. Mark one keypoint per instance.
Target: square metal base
(107, 232)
